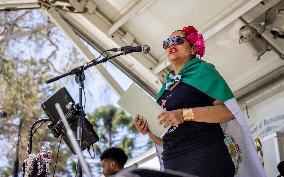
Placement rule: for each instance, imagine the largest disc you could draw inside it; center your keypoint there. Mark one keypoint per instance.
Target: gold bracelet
(188, 114)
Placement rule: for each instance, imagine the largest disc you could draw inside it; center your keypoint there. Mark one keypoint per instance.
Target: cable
(93, 157)
(247, 111)
(37, 128)
(84, 100)
(265, 19)
(57, 155)
(31, 132)
(76, 169)
(97, 59)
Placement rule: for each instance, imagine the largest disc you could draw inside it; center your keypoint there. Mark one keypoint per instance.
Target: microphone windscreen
(34, 165)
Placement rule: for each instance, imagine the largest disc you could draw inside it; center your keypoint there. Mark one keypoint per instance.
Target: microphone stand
(80, 78)
(16, 163)
(31, 133)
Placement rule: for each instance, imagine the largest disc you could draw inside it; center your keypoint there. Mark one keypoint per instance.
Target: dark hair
(116, 154)
(280, 168)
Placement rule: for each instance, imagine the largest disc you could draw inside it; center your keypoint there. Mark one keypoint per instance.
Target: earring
(166, 62)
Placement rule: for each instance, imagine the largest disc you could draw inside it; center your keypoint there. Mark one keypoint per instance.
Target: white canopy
(107, 24)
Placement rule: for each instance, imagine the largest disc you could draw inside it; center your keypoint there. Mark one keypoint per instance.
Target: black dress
(194, 147)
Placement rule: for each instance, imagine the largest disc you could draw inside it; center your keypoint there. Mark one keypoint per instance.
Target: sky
(98, 91)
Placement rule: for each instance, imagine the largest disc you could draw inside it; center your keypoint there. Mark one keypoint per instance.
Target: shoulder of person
(208, 67)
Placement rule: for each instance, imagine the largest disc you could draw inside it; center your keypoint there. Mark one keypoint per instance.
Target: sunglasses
(176, 40)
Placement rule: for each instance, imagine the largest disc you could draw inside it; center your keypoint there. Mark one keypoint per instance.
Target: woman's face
(178, 53)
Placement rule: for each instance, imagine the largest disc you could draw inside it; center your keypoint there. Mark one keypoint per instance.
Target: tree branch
(53, 52)
(17, 19)
(24, 33)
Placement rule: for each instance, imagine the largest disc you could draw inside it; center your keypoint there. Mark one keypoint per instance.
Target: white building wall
(267, 116)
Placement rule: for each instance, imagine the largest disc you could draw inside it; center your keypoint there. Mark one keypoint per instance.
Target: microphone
(129, 49)
(3, 114)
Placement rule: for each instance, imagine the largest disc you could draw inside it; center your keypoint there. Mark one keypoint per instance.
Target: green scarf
(204, 77)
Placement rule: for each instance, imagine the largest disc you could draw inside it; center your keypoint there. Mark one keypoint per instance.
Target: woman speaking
(207, 134)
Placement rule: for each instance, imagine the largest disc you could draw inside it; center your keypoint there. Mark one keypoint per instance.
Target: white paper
(136, 101)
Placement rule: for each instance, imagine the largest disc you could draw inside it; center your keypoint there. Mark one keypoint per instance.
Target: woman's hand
(141, 125)
(171, 118)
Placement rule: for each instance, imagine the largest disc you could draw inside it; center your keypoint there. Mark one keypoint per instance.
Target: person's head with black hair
(280, 168)
(113, 160)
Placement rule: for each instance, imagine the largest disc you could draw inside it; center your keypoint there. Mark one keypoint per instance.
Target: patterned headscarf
(195, 38)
